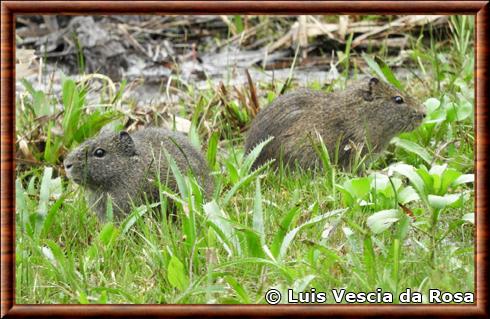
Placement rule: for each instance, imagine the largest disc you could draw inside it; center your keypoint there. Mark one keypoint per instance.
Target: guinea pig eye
(99, 152)
(398, 99)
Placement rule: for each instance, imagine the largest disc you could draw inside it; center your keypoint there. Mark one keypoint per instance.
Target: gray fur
(364, 116)
(128, 169)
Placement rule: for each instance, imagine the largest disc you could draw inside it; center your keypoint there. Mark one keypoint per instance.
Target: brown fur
(129, 167)
(365, 116)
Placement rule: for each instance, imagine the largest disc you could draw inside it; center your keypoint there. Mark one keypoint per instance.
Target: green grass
(407, 222)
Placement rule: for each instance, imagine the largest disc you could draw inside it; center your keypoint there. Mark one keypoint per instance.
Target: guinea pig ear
(368, 94)
(127, 143)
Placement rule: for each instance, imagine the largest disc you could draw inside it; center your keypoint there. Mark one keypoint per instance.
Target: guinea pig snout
(68, 164)
(420, 114)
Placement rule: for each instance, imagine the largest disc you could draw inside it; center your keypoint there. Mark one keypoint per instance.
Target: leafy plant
(433, 186)
(59, 130)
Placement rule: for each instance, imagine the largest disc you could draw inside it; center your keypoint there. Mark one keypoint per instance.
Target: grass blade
(258, 214)
(413, 147)
(370, 261)
(290, 236)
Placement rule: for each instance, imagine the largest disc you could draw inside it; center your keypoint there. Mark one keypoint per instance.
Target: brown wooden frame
(10, 8)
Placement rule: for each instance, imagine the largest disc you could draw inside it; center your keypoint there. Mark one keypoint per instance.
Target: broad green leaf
(436, 178)
(436, 116)
(440, 202)
(403, 227)
(382, 220)
(458, 112)
(358, 187)
(379, 182)
(427, 178)
(409, 172)
(448, 178)
(432, 104)
(108, 234)
(347, 198)
(464, 179)
(412, 147)
(437, 170)
(407, 195)
(464, 110)
(176, 274)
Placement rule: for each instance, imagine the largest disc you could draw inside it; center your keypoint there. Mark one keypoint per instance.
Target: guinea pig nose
(68, 165)
(421, 114)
